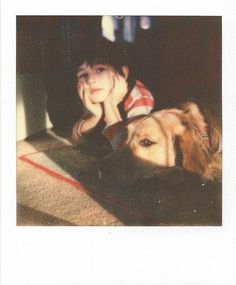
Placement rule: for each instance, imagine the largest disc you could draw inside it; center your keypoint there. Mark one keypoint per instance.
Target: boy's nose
(91, 79)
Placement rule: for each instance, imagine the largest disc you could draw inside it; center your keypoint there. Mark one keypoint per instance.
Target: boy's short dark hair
(106, 52)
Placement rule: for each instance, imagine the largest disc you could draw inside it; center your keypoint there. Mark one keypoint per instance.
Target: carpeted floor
(54, 190)
(47, 190)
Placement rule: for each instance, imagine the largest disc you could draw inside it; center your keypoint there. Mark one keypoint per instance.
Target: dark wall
(178, 58)
(47, 45)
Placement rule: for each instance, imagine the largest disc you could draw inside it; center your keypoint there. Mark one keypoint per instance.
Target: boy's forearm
(112, 114)
(83, 126)
(88, 123)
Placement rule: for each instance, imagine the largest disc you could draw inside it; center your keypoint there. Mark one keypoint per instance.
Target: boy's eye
(100, 69)
(83, 76)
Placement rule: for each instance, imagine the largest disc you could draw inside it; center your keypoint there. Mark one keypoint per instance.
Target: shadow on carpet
(148, 202)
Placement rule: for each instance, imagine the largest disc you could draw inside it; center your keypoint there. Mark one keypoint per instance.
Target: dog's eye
(146, 142)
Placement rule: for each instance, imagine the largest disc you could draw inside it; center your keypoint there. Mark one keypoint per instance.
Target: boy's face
(99, 79)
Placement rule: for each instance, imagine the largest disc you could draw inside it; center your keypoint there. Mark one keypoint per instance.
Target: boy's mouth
(94, 90)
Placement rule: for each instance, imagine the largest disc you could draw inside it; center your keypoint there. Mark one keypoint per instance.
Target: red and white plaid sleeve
(140, 101)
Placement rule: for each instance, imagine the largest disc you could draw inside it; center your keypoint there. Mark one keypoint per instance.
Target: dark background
(178, 58)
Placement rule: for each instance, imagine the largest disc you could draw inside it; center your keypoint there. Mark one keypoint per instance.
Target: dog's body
(184, 137)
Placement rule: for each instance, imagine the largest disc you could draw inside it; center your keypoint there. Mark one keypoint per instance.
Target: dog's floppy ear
(215, 138)
(198, 142)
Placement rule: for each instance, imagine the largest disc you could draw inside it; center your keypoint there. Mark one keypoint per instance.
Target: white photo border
(115, 255)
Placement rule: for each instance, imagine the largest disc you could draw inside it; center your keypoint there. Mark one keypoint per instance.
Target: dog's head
(169, 138)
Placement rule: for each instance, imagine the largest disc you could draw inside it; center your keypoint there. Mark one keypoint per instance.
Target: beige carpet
(46, 199)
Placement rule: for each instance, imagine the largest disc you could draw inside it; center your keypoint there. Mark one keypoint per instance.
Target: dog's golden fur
(153, 138)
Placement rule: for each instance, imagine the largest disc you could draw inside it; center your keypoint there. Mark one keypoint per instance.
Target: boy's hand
(119, 90)
(116, 95)
(84, 93)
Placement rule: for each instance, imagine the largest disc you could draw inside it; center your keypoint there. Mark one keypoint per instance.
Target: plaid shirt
(139, 102)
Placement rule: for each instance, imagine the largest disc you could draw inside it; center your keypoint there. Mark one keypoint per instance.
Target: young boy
(109, 92)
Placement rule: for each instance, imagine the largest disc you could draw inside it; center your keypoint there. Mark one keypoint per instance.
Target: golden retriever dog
(186, 137)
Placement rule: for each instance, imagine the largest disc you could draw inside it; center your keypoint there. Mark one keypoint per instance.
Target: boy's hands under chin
(84, 93)
(118, 91)
(116, 95)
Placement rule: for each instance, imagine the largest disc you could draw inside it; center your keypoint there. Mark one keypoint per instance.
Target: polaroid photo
(118, 120)
(118, 125)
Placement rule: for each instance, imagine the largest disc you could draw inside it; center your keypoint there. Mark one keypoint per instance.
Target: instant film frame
(21, 245)
(177, 58)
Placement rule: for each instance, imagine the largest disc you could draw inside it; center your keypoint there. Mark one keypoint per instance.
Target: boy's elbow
(75, 136)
